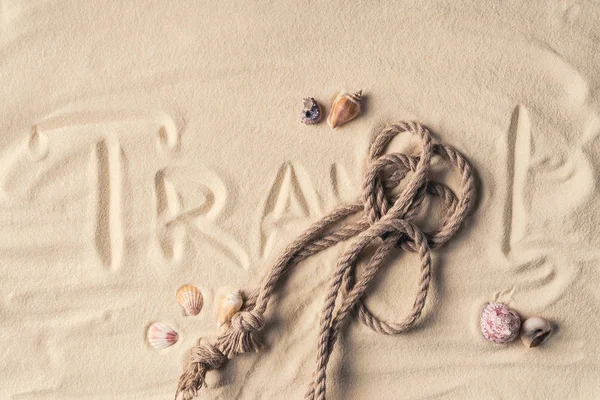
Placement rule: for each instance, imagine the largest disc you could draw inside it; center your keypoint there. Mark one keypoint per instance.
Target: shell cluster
(345, 108)
(229, 303)
(535, 331)
(160, 336)
(311, 113)
(499, 324)
(190, 298)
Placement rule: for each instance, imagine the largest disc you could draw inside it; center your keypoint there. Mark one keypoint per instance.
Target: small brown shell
(345, 108)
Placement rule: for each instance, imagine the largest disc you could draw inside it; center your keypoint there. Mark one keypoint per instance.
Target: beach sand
(150, 144)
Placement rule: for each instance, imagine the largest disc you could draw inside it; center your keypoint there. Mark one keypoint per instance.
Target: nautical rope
(387, 219)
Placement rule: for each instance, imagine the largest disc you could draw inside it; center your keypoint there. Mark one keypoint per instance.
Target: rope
(388, 220)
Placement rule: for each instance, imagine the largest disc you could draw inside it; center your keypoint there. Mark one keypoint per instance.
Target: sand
(145, 145)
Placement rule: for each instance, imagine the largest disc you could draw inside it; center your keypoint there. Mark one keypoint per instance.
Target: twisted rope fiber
(384, 218)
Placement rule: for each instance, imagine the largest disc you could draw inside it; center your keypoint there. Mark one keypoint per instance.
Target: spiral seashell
(160, 336)
(311, 113)
(190, 298)
(535, 331)
(345, 108)
(499, 324)
(229, 304)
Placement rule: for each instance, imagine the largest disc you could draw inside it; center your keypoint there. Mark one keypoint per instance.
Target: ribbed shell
(190, 298)
(160, 336)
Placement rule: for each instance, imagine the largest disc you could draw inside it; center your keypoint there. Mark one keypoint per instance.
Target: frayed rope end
(203, 358)
(191, 381)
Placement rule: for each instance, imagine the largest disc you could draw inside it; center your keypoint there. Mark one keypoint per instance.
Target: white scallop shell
(160, 336)
(190, 298)
(229, 304)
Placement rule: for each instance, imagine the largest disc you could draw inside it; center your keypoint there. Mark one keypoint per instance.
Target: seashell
(345, 107)
(190, 298)
(499, 324)
(228, 305)
(535, 331)
(160, 336)
(311, 113)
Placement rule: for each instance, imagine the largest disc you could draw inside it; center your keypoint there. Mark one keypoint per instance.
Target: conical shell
(499, 324)
(345, 107)
(190, 298)
(229, 303)
(160, 336)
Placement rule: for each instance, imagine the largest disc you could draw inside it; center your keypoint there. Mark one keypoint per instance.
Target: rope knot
(394, 190)
(248, 321)
(239, 337)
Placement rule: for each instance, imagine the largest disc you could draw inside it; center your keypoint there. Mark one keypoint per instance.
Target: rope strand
(388, 220)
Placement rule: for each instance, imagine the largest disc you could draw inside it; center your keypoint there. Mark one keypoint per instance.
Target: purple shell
(311, 114)
(499, 324)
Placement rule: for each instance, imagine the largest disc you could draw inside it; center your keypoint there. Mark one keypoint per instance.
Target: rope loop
(395, 188)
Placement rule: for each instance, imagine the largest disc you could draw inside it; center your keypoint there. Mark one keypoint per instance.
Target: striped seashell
(160, 336)
(190, 298)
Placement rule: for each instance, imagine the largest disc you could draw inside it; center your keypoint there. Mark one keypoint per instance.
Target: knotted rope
(387, 219)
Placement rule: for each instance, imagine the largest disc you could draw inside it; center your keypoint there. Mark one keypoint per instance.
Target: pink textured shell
(500, 324)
